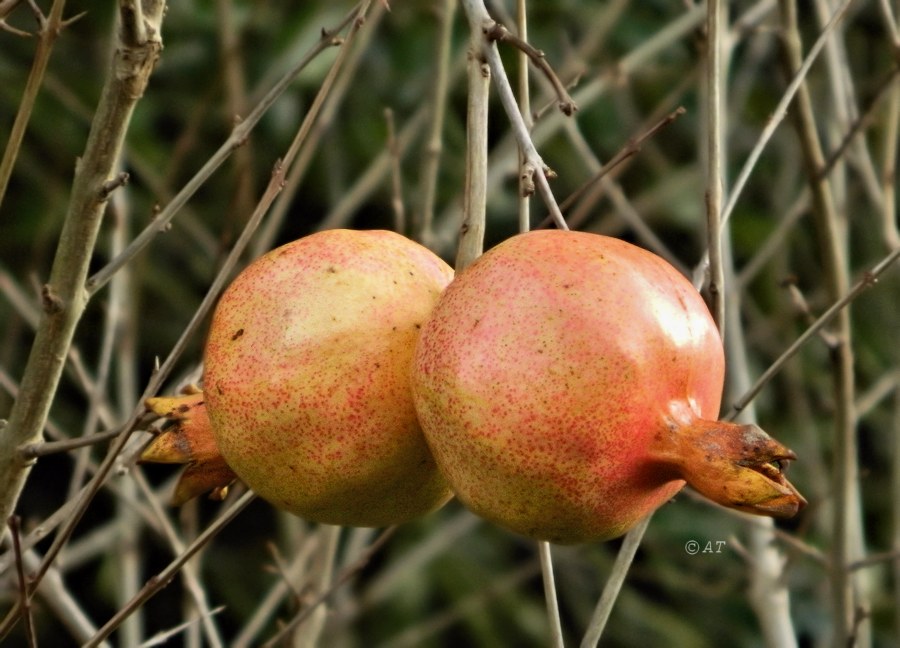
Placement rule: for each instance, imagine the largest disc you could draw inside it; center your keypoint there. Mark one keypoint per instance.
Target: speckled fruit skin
(307, 377)
(547, 369)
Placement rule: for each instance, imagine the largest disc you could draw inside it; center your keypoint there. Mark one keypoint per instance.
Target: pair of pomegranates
(563, 386)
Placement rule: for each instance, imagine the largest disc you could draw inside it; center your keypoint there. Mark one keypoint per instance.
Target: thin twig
(839, 80)
(768, 593)
(471, 233)
(40, 532)
(84, 547)
(614, 583)
(74, 367)
(891, 23)
(119, 344)
(550, 598)
(190, 571)
(65, 298)
(587, 95)
(50, 28)
(6, 8)
(878, 392)
(780, 111)
(56, 597)
(290, 574)
(236, 97)
(236, 139)
(716, 26)
(36, 450)
(346, 574)
(534, 168)
(873, 560)
(607, 185)
(14, 524)
(891, 130)
(788, 539)
(338, 92)
(97, 396)
(848, 545)
(498, 32)
(218, 284)
(163, 578)
(867, 281)
(434, 627)
(775, 240)
(374, 176)
(631, 148)
(309, 632)
(416, 559)
(434, 143)
(129, 563)
(895, 504)
(860, 123)
(163, 636)
(525, 110)
(397, 205)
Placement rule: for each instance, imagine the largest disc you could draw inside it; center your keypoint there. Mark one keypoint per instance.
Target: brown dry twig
(37, 450)
(15, 531)
(65, 297)
(6, 8)
(862, 122)
(869, 279)
(238, 136)
(162, 579)
(50, 26)
(346, 574)
(396, 174)
(499, 33)
(631, 148)
(275, 185)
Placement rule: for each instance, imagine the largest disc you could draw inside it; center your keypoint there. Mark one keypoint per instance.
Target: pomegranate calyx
(769, 459)
(187, 438)
(737, 466)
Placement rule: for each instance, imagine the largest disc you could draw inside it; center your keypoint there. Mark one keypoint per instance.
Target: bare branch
(24, 598)
(868, 280)
(65, 290)
(238, 135)
(614, 583)
(346, 574)
(498, 32)
(165, 577)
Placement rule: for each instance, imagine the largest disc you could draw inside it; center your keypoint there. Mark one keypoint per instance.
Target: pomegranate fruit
(568, 385)
(306, 381)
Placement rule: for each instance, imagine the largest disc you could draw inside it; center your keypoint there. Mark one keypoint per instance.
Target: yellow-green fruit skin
(307, 377)
(547, 370)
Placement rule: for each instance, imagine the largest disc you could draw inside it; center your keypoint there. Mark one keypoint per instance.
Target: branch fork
(499, 33)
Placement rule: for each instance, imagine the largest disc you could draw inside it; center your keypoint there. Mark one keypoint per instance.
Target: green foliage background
(450, 579)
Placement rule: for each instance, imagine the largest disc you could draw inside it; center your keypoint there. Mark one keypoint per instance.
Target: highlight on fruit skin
(568, 384)
(306, 381)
